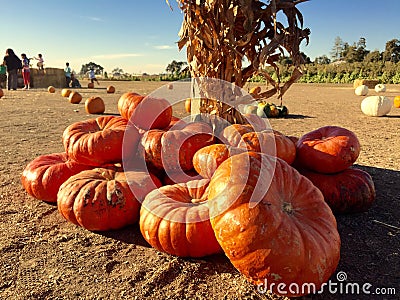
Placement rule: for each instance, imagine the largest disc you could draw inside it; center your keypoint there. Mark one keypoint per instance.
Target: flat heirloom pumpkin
(103, 199)
(43, 176)
(175, 219)
(99, 141)
(274, 227)
(376, 106)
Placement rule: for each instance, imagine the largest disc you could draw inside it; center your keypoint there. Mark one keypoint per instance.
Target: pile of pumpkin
(195, 194)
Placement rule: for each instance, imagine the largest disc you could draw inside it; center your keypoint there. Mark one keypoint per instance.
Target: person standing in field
(67, 72)
(3, 76)
(92, 77)
(26, 71)
(13, 63)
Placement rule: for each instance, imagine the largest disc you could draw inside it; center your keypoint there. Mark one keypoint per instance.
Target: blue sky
(140, 36)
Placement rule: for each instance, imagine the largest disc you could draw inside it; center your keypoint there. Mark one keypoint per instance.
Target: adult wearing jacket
(13, 63)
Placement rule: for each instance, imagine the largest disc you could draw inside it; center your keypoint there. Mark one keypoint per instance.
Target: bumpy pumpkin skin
(174, 149)
(286, 234)
(145, 112)
(207, 159)
(175, 219)
(329, 149)
(103, 199)
(43, 176)
(270, 142)
(232, 134)
(349, 191)
(99, 141)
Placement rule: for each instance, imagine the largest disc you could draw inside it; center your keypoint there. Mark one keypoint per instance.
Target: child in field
(40, 62)
(26, 71)
(92, 77)
(74, 81)
(3, 76)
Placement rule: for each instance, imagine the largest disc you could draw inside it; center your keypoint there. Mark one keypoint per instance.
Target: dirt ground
(44, 257)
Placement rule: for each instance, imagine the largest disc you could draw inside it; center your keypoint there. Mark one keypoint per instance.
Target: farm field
(44, 257)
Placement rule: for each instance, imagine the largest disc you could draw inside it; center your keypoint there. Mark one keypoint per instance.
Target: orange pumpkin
(272, 222)
(75, 98)
(175, 219)
(94, 105)
(188, 104)
(104, 199)
(110, 89)
(51, 89)
(396, 102)
(65, 92)
(90, 85)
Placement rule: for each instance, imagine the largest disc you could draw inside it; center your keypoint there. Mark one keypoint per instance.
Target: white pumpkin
(260, 110)
(380, 88)
(361, 90)
(376, 106)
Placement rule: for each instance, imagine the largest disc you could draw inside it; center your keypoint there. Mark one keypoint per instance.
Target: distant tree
(117, 70)
(175, 67)
(323, 60)
(337, 49)
(105, 75)
(373, 56)
(392, 51)
(98, 70)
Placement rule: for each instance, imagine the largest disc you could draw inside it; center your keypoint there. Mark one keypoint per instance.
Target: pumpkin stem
(288, 208)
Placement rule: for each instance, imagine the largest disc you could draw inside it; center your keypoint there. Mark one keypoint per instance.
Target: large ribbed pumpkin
(272, 222)
(99, 141)
(349, 191)
(328, 149)
(174, 149)
(145, 112)
(104, 199)
(43, 176)
(175, 219)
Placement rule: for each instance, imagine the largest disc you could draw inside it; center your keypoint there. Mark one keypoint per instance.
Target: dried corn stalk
(233, 40)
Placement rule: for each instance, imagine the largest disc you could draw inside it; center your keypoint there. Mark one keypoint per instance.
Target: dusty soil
(44, 257)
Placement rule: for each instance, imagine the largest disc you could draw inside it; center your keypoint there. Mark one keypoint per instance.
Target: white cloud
(95, 19)
(116, 55)
(163, 47)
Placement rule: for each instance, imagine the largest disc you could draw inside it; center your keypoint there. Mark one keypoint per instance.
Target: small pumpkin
(349, 191)
(380, 88)
(361, 90)
(145, 112)
(174, 219)
(396, 101)
(207, 159)
(376, 106)
(329, 149)
(110, 89)
(65, 92)
(51, 89)
(94, 105)
(255, 90)
(273, 223)
(43, 176)
(90, 85)
(99, 141)
(75, 98)
(188, 105)
(104, 199)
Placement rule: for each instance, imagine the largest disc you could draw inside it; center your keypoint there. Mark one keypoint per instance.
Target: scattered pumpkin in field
(361, 90)
(99, 141)
(274, 226)
(95, 105)
(104, 199)
(329, 149)
(376, 106)
(175, 219)
(75, 98)
(51, 89)
(349, 191)
(380, 88)
(90, 85)
(65, 92)
(145, 112)
(396, 101)
(110, 89)
(255, 90)
(188, 105)
(43, 176)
